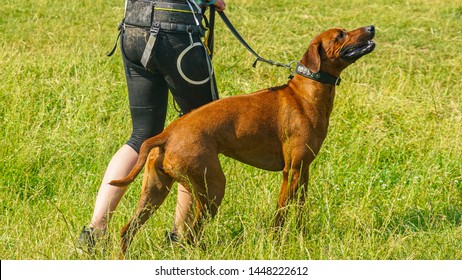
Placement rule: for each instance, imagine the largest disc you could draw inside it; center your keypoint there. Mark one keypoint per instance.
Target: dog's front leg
(293, 179)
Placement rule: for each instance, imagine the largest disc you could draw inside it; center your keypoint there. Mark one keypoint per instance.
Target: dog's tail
(146, 147)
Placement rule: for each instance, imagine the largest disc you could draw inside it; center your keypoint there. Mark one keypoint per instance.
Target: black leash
(244, 43)
(211, 26)
(299, 68)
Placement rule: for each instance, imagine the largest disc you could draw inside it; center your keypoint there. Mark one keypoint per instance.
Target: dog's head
(335, 49)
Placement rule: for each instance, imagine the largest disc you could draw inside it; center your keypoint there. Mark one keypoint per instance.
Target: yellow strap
(206, 40)
(173, 10)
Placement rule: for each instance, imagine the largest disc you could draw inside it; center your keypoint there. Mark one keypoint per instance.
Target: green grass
(386, 185)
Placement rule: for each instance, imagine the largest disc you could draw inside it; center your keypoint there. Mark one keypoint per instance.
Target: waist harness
(162, 15)
(169, 16)
(144, 13)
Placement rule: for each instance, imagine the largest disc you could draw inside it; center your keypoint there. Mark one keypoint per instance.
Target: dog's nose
(370, 29)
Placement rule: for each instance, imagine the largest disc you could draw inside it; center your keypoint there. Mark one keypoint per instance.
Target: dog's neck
(320, 95)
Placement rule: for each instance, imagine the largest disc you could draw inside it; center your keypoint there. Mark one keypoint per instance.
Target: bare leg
(209, 189)
(183, 214)
(109, 196)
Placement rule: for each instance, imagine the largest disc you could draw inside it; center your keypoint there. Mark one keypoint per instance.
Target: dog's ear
(312, 58)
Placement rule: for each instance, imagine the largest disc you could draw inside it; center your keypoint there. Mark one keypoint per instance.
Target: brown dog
(278, 129)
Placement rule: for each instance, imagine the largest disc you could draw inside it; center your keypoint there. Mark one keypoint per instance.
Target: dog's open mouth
(356, 51)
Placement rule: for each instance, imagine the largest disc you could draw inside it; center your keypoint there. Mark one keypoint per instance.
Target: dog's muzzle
(365, 46)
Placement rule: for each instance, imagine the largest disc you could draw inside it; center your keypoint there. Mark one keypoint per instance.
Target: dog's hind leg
(208, 184)
(156, 186)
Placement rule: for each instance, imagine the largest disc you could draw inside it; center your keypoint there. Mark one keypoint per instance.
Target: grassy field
(386, 185)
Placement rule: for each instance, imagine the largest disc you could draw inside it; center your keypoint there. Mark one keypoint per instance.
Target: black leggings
(180, 67)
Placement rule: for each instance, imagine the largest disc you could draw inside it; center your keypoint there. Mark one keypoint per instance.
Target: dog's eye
(340, 36)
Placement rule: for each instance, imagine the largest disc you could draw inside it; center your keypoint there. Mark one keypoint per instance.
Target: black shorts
(179, 66)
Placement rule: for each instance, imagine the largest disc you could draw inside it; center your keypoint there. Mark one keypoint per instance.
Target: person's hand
(220, 5)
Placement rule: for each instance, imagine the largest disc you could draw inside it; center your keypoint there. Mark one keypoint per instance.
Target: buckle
(155, 28)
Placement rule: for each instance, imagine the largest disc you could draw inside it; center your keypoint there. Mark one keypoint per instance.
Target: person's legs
(147, 95)
(148, 105)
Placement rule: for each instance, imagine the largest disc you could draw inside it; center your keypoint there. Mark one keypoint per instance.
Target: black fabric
(147, 90)
(139, 13)
(143, 13)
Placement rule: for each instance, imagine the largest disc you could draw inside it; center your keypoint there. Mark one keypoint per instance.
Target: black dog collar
(321, 77)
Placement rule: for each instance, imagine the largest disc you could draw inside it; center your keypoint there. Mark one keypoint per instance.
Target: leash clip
(290, 66)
